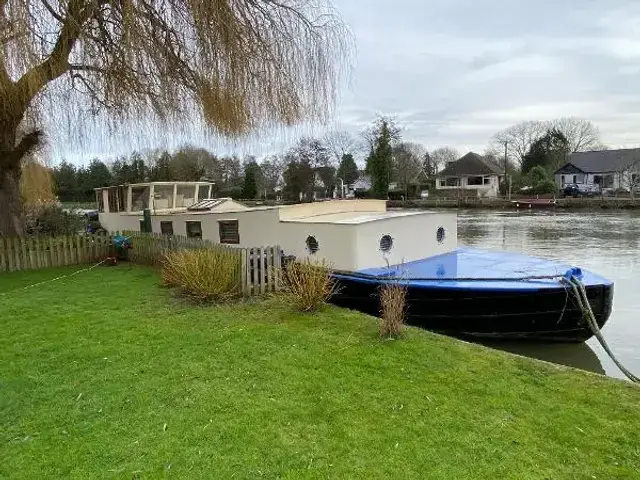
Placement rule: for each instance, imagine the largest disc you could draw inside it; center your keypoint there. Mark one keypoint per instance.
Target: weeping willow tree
(234, 66)
(36, 182)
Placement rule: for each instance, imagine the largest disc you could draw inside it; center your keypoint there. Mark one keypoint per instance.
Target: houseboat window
(113, 199)
(440, 234)
(100, 201)
(185, 195)
(312, 244)
(229, 231)
(203, 192)
(139, 198)
(194, 230)
(486, 180)
(162, 197)
(166, 228)
(122, 198)
(474, 181)
(453, 182)
(386, 243)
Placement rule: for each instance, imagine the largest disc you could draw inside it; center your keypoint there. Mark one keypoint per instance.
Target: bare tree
(235, 66)
(629, 178)
(441, 156)
(407, 163)
(519, 138)
(371, 134)
(581, 134)
(339, 143)
(272, 173)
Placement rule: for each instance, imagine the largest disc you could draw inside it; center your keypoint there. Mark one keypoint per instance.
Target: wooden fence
(260, 267)
(43, 252)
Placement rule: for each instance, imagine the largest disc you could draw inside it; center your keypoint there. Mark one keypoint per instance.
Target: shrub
(546, 186)
(209, 274)
(393, 301)
(308, 284)
(51, 220)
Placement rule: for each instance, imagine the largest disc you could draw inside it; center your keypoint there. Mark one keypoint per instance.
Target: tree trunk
(10, 171)
(10, 202)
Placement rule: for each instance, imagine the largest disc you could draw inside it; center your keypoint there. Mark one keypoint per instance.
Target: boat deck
(481, 270)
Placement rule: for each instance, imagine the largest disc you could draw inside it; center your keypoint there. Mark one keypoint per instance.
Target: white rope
(21, 289)
(583, 302)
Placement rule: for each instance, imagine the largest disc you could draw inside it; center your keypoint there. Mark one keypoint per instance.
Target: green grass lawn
(104, 375)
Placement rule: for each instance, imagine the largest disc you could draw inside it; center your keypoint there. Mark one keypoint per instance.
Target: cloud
(454, 72)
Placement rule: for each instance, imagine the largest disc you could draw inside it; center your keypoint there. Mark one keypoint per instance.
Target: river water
(606, 243)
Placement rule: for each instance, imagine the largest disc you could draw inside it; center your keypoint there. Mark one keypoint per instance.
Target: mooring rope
(21, 289)
(391, 278)
(583, 302)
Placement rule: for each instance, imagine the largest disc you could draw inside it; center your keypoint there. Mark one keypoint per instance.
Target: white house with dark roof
(610, 169)
(473, 173)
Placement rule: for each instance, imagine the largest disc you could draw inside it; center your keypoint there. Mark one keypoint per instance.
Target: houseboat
(451, 290)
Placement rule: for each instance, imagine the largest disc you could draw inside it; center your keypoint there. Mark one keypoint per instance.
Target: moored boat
(451, 290)
(535, 203)
(474, 293)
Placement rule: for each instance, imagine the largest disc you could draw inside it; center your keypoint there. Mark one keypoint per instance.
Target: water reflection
(577, 355)
(606, 243)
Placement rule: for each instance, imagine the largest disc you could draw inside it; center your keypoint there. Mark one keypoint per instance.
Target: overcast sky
(454, 72)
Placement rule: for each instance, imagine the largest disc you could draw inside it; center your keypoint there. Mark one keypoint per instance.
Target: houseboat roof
(146, 184)
(351, 218)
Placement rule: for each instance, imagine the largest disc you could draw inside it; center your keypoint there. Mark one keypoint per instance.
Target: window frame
(164, 223)
(475, 178)
(225, 223)
(189, 223)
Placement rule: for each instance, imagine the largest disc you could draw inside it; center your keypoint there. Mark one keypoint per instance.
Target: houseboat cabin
(349, 234)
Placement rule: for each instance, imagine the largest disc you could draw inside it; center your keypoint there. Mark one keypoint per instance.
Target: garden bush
(393, 302)
(308, 284)
(51, 220)
(207, 274)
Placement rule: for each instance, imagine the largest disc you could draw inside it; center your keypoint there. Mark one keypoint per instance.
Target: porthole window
(386, 243)
(312, 244)
(440, 235)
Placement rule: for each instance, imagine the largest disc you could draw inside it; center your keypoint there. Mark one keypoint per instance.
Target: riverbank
(587, 204)
(105, 375)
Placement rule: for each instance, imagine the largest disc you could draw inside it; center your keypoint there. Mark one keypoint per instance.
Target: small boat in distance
(535, 203)
(452, 290)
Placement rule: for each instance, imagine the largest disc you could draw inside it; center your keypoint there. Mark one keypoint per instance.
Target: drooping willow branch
(235, 65)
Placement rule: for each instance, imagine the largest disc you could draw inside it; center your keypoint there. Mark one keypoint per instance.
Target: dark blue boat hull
(503, 307)
(546, 315)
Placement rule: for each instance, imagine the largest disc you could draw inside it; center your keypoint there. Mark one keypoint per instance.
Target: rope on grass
(21, 289)
(583, 302)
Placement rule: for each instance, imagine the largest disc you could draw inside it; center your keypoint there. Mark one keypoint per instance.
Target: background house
(610, 169)
(472, 172)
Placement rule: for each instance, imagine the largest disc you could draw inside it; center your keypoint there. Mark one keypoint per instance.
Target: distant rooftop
(470, 164)
(603, 160)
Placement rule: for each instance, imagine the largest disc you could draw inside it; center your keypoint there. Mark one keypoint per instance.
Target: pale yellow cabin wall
(112, 222)
(414, 237)
(336, 243)
(346, 246)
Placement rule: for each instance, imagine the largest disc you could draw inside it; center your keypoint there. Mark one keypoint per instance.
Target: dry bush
(393, 304)
(211, 274)
(309, 284)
